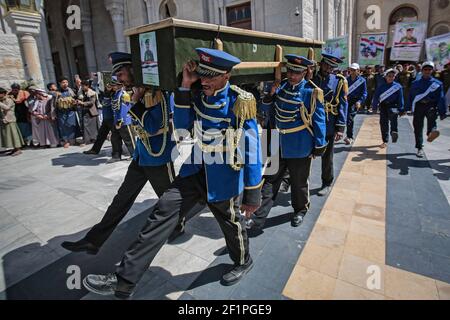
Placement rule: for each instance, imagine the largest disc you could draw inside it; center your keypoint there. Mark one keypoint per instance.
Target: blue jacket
(300, 119)
(434, 98)
(151, 124)
(120, 103)
(106, 101)
(359, 94)
(335, 88)
(209, 117)
(394, 98)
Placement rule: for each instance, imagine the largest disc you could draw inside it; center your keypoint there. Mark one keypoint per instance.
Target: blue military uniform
(299, 117)
(203, 177)
(335, 89)
(426, 99)
(121, 104)
(389, 99)
(357, 92)
(106, 127)
(151, 159)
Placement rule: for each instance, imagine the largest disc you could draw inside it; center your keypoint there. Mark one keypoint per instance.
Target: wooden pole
(278, 58)
(218, 44)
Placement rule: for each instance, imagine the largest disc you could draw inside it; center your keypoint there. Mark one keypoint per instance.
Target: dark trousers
(386, 117)
(351, 114)
(420, 113)
(183, 195)
(327, 163)
(127, 136)
(160, 177)
(299, 170)
(116, 141)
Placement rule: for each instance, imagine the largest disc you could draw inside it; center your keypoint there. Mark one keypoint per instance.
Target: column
(116, 10)
(86, 29)
(26, 26)
(31, 56)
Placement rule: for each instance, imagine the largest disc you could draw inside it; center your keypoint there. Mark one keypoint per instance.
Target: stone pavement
(388, 209)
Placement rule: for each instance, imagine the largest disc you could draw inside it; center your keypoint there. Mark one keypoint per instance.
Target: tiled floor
(345, 256)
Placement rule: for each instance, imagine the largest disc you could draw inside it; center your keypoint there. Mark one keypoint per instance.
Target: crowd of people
(62, 116)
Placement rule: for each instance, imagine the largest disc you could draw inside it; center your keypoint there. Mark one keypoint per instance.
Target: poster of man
(408, 40)
(149, 58)
(409, 37)
(371, 49)
(438, 50)
(339, 48)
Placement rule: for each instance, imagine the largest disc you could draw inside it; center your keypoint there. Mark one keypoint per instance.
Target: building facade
(64, 51)
(435, 12)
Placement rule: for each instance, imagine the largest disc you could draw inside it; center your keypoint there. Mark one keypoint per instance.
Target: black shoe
(237, 273)
(80, 246)
(325, 190)
(107, 285)
(90, 152)
(420, 153)
(394, 136)
(297, 219)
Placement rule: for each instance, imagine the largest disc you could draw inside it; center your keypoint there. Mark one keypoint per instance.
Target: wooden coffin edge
(172, 22)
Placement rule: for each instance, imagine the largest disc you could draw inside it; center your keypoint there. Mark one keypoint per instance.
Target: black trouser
(351, 118)
(420, 112)
(160, 177)
(183, 195)
(386, 117)
(327, 163)
(116, 141)
(127, 136)
(299, 170)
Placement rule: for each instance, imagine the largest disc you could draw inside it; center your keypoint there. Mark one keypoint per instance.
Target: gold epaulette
(317, 92)
(151, 99)
(245, 105)
(345, 85)
(126, 97)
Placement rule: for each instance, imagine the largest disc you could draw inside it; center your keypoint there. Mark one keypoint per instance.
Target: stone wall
(10, 61)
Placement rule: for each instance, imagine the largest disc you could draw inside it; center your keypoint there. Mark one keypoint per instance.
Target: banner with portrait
(438, 50)
(408, 40)
(149, 58)
(371, 49)
(339, 48)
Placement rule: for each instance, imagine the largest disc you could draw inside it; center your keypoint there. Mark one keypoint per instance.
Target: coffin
(160, 50)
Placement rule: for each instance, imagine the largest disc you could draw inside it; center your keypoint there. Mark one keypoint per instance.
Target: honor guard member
(151, 160)
(214, 113)
(388, 99)
(426, 99)
(335, 88)
(121, 104)
(357, 94)
(299, 117)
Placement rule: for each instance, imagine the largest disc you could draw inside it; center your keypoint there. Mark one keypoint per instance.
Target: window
(240, 16)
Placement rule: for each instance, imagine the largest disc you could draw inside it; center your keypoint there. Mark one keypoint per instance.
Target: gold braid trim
(245, 105)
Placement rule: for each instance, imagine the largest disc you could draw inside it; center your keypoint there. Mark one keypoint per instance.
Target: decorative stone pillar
(116, 10)
(26, 25)
(86, 29)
